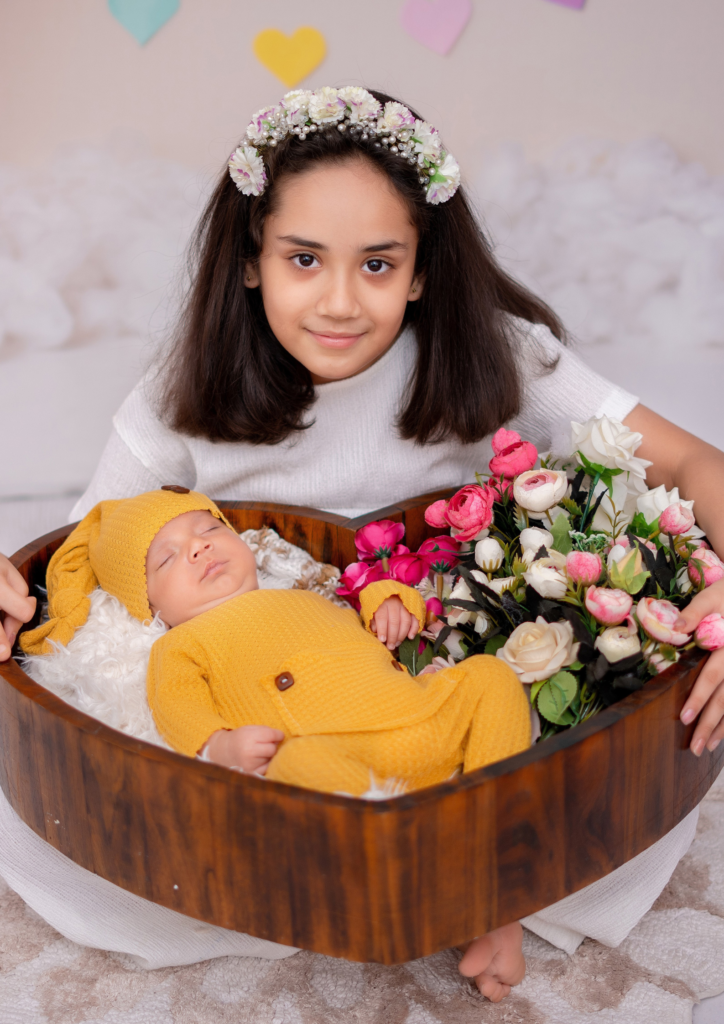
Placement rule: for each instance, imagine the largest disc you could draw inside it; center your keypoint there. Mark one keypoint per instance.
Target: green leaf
(555, 696)
(494, 644)
(535, 689)
(423, 659)
(406, 651)
(641, 528)
(576, 666)
(595, 470)
(561, 541)
(571, 506)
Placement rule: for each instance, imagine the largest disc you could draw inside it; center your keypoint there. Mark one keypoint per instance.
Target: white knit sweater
(351, 461)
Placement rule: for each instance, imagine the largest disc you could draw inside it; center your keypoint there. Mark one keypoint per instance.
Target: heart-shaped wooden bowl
(373, 881)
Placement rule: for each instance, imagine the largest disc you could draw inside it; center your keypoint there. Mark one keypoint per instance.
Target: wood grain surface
(384, 882)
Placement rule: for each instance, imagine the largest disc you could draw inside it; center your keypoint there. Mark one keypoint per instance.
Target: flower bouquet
(569, 569)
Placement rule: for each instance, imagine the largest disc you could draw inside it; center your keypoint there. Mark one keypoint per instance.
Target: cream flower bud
(618, 643)
(533, 539)
(489, 554)
(537, 490)
(549, 580)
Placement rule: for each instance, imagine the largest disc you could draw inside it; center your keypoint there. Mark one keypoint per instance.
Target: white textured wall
(528, 70)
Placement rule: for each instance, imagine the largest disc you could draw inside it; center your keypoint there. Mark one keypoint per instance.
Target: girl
(348, 340)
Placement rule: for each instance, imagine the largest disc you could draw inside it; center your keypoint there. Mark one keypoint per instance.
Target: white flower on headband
(262, 122)
(395, 116)
(247, 172)
(362, 104)
(444, 181)
(427, 140)
(326, 106)
(296, 105)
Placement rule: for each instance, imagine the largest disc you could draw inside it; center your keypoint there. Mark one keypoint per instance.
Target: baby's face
(194, 563)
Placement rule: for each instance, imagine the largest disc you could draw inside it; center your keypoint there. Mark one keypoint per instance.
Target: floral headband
(353, 110)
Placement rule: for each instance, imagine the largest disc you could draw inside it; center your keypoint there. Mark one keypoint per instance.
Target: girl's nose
(339, 300)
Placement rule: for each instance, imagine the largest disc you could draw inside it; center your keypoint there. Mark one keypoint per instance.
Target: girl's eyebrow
(305, 243)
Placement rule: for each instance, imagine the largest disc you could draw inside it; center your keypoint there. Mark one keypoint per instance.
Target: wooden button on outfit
(284, 680)
(176, 488)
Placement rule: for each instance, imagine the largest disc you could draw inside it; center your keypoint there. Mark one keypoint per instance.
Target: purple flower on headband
(326, 105)
(396, 116)
(247, 171)
(444, 181)
(296, 105)
(362, 104)
(262, 121)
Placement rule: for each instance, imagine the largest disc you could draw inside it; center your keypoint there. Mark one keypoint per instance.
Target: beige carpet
(672, 958)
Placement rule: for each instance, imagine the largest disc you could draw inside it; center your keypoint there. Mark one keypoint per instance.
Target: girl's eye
(377, 266)
(305, 259)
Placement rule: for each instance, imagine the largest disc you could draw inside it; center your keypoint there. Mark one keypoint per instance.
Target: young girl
(348, 340)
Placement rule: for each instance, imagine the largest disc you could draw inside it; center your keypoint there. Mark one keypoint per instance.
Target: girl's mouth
(336, 341)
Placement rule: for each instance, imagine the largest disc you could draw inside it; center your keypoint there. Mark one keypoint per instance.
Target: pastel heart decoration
(577, 4)
(436, 24)
(143, 18)
(290, 58)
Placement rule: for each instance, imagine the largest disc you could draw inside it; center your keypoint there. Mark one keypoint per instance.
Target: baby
(283, 682)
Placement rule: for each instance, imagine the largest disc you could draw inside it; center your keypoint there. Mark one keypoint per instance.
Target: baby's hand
(392, 623)
(495, 961)
(250, 747)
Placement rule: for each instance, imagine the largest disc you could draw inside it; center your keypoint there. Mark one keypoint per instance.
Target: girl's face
(337, 268)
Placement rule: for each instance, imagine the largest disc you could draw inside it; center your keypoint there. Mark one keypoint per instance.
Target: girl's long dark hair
(229, 379)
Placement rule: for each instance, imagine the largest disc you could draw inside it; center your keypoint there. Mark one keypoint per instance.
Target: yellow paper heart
(290, 59)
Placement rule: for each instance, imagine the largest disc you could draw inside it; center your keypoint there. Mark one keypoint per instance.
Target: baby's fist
(250, 747)
(393, 623)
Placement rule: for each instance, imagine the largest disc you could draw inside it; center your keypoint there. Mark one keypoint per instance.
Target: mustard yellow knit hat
(108, 548)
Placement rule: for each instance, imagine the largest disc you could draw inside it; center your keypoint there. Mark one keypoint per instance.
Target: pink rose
(710, 632)
(706, 559)
(441, 553)
(584, 567)
(470, 511)
(378, 540)
(676, 519)
(657, 618)
(408, 569)
(512, 455)
(607, 605)
(435, 514)
(540, 489)
(356, 577)
(434, 607)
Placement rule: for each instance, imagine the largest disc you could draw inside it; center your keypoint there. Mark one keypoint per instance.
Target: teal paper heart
(143, 18)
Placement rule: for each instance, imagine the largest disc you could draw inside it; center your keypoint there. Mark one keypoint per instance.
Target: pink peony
(607, 605)
(584, 567)
(500, 488)
(512, 455)
(356, 577)
(676, 519)
(408, 569)
(710, 632)
(657, 618)
(537, 490)
(435, 514)
(470, 511)
(378, 540)
(708, 561)
(441, 553)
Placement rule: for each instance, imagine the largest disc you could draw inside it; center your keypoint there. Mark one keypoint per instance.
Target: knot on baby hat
(108, 548)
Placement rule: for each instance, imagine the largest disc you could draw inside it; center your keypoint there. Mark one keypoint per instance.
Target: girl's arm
(682, 460)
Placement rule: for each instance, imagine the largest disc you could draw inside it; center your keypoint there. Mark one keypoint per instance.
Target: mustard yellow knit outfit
(292, 660)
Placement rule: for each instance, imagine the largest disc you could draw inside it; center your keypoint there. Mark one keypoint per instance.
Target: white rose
(619, 508)
(489, 554)
(537, 650)
(653, 502)
(539, 489)
(545, 577)
(617, 643)
(533, 539)
(609, 443)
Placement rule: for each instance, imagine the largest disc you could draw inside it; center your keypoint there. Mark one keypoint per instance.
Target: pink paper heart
(436, 23)
(578, 4)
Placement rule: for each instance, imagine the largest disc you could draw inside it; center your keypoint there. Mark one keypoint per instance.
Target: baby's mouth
(212, 568)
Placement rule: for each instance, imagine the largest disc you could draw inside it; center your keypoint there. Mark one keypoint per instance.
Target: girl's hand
(495, 961)
(708, 691)
(392, 623)
(15, 603)
(250, 747)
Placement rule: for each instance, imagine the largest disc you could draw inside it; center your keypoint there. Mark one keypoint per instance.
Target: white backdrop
(108, 149)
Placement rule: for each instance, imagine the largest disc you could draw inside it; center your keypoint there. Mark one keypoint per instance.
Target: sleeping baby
(281, 682)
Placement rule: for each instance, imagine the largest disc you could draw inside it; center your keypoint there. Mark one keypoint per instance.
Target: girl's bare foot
(495, 961)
